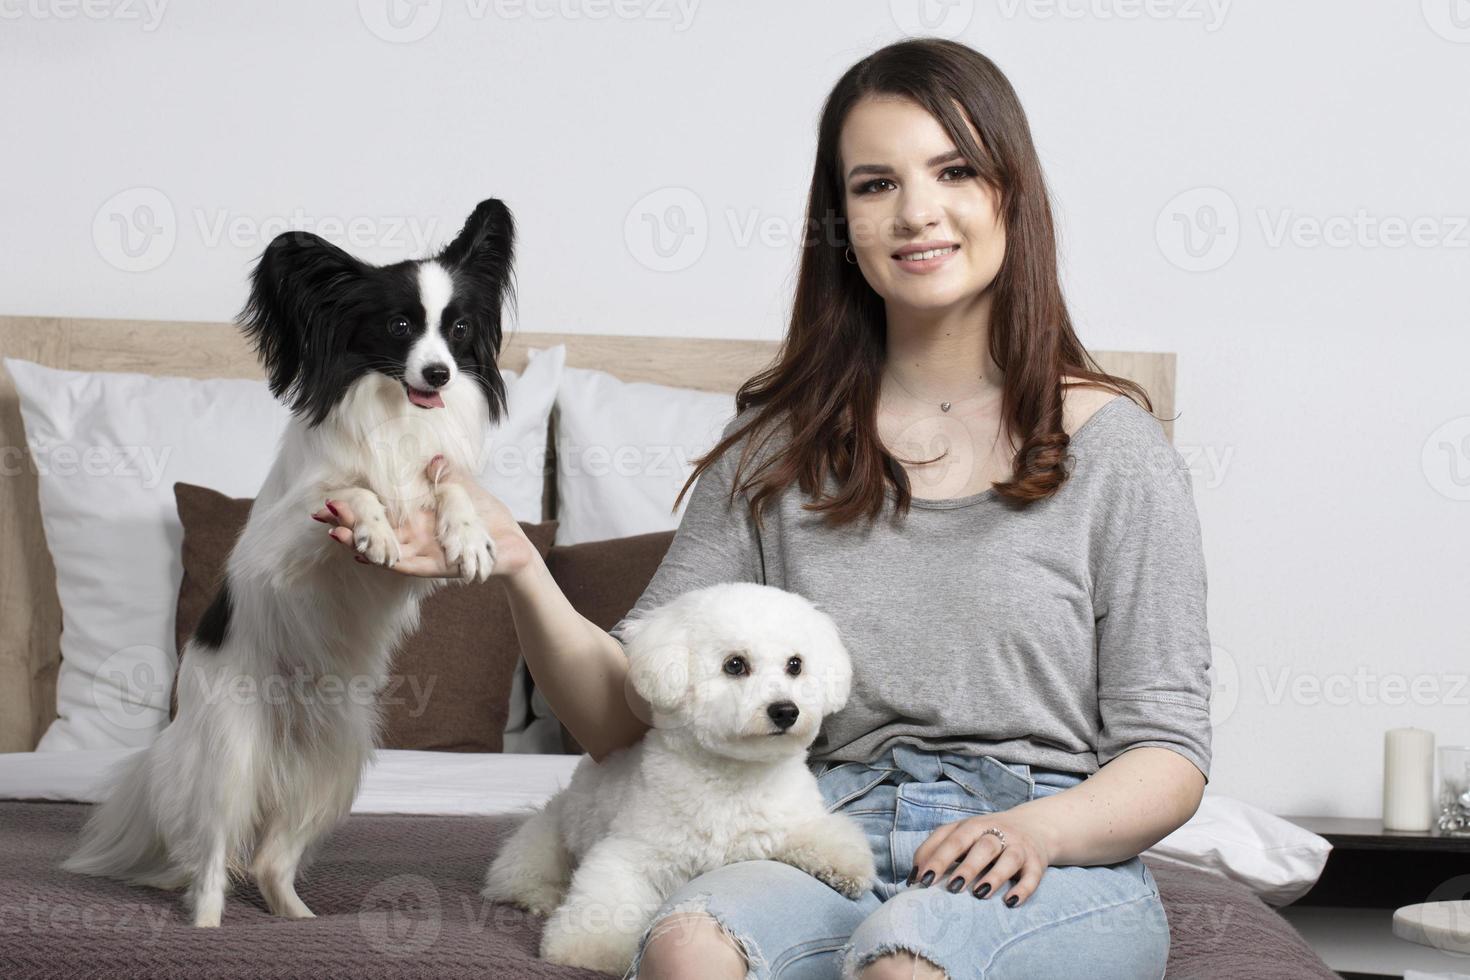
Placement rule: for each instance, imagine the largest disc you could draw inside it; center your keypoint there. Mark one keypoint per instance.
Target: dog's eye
(398, 326)
(793, 666)
(460, 329)
(735, 666)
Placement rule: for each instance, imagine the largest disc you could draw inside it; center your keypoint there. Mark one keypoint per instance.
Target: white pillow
(1275, 858)
(108, 449)
(623, 451)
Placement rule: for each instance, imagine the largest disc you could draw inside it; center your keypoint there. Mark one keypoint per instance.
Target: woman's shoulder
(1119, 437)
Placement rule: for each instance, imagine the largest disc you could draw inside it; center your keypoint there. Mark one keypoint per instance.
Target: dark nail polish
(956, 883)
(983, 890)
(928, 879)
(1011, 900)
(913, 874)
(332, 509)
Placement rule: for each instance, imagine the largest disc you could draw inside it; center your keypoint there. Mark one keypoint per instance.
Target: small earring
(849, 256)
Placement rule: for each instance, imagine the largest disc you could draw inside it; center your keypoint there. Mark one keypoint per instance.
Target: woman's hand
(984, 864)
(421, 554)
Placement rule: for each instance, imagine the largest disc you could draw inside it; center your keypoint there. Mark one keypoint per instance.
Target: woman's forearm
(579, 668)
(1122, 810)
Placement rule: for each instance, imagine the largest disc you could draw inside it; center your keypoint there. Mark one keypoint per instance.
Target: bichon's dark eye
(399, 326)
(736, 667)
(793, 666)
(460, 329)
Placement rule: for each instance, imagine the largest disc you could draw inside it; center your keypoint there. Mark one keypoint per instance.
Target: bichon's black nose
(436, 375)
(783, 713)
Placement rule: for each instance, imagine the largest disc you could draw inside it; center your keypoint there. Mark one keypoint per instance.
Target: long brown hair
(823, 384)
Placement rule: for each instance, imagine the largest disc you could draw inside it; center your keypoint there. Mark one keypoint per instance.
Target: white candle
(1408, 779)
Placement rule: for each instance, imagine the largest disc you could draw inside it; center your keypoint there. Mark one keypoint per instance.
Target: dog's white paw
(466, 543)
(538, 898)
(853, 882)
(833, 850)
(373, 538)
(605, 950)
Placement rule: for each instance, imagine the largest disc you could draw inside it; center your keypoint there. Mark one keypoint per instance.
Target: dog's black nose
(783, 713)
(437, 375)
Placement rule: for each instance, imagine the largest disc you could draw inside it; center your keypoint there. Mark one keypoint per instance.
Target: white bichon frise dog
(739, 677)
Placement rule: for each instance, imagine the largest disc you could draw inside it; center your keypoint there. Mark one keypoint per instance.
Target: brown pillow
(603, 580)
(449, 688)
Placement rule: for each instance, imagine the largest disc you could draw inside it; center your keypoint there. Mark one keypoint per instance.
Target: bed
(395, 888)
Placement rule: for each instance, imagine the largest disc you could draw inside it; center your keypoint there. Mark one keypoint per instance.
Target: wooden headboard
(30, 616)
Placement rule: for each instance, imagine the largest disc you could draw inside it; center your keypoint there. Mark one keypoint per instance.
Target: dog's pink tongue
(425, 399)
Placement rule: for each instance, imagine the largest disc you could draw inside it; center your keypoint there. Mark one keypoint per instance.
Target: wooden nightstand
(1348, 914)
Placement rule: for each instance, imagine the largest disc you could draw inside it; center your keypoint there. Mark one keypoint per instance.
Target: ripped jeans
(1104, 922)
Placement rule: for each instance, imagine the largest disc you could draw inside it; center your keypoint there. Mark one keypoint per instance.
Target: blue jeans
(1101, 922)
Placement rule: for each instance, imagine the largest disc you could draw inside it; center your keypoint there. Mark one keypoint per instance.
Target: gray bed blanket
(398, 897)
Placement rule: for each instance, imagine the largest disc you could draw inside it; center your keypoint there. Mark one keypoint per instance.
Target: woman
(1038, 614)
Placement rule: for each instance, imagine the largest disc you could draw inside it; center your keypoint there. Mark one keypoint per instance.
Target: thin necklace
(943, 406)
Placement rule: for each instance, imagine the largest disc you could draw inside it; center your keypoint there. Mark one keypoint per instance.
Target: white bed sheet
(399, 781)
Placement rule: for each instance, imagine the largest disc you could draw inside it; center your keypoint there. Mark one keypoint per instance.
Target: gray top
(1058, 635)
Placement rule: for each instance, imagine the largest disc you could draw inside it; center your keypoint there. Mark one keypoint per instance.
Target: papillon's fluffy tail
(121, 838)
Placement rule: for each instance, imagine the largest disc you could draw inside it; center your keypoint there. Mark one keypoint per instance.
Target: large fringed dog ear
(299, 294)
(484, 253)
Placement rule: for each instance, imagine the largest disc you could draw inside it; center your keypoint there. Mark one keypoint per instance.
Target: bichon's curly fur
(739, 677)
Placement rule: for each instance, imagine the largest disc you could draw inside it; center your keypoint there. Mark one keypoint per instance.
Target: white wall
(1322, 387)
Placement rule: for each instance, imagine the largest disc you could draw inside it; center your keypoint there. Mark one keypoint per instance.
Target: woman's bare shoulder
(1081, 403)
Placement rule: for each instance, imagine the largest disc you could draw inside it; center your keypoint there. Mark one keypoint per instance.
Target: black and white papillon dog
(382, 368)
